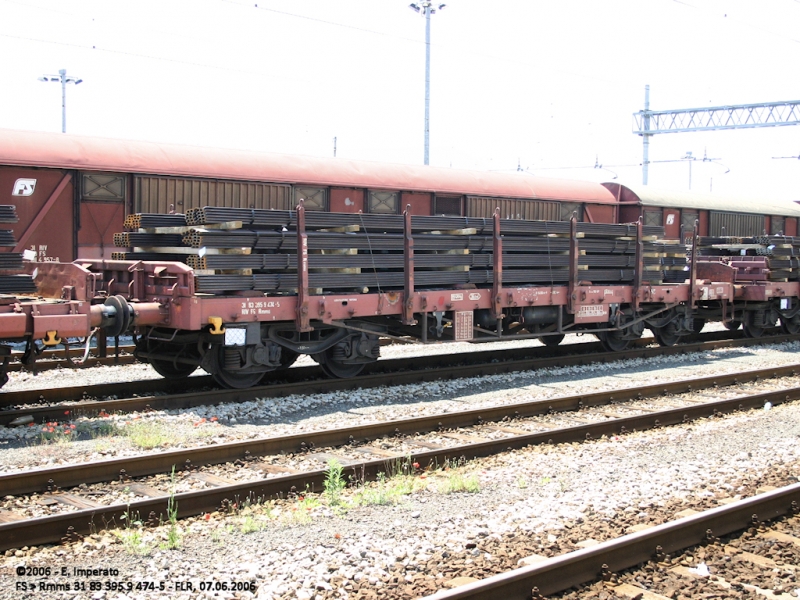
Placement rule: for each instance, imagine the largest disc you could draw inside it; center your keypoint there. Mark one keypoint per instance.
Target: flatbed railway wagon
(331, 287)
(242, 291)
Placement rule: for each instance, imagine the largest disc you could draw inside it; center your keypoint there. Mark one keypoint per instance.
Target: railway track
(661, 549)
(277, 467)
(55, 359)
(33, 406)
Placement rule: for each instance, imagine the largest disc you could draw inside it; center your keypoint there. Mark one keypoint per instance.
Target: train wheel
(791, 325)
(172, 370)
(232, 378)
(552, 340)
(732, 325)
(288, 358)
(698, 325)
(752, 332)
(667, 335)
(749, 327)
(613, 341)
(335, 368)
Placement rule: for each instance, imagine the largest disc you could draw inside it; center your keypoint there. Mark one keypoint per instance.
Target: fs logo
(24, 187)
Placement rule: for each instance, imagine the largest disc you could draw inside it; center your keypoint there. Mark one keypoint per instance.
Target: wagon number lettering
(259, 308)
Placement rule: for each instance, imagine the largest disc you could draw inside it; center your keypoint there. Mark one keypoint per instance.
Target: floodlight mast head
(64, 79)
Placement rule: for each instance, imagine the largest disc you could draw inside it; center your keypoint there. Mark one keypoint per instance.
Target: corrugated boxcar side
(513, 209)
(738, 224)
(158, 194)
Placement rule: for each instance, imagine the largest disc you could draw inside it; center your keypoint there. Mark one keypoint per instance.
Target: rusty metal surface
(51, 529)
(52, 277)
(40, 149)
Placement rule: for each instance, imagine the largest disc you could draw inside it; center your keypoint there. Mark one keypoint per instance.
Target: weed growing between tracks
(334, 482)
(456, 480)
(173, 533)
(132, 536)
(341, 494)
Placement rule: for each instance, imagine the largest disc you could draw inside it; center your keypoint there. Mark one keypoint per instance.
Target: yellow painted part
(216, 325)
(51, 339)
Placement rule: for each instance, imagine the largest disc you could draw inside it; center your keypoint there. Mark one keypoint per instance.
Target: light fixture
(64, 80)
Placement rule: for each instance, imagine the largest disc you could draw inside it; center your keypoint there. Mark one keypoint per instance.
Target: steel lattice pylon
(741, 116)
(647, 123)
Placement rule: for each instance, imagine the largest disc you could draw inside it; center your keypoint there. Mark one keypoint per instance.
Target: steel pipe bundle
(149, 256)
(148, 240)
(153, 220)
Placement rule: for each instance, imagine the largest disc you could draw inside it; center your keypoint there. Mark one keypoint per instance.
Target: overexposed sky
(546, 84)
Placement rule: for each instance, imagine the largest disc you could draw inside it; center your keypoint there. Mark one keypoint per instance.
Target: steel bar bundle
(8, 213)
(287, 282)
(17, 284)
(275, 241)
(367, 251)
(7, 238)
(11, 261)
(379, 223)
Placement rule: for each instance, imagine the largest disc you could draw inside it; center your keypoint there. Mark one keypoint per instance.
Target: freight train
(239, 262)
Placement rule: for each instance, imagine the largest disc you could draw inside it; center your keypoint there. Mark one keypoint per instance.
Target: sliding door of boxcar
(162, 195)
(736, 224)
(513, 208)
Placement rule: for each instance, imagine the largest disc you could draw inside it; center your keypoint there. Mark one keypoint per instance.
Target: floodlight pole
(427, 7)
(62, 77)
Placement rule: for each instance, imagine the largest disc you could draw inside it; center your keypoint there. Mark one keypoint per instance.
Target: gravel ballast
(532, 501)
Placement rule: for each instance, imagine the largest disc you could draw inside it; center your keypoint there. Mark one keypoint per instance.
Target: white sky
(546, 83)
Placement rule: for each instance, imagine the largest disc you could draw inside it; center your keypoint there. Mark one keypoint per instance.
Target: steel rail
(76, 393)
(53, 359)
(38, 480)
(51, 529)
(574, 568)
(381, 374)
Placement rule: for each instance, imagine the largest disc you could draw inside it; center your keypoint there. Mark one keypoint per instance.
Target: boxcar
(715, 214)
(73, 192)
